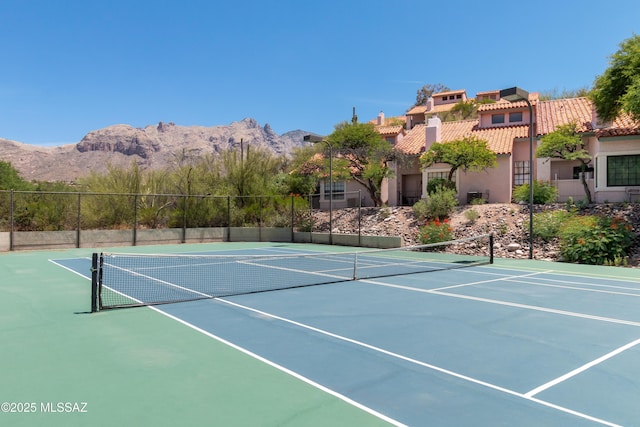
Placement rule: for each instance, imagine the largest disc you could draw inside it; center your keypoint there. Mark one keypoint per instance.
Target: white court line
(70, 269)
(597, 285)
(582, 368)
(282, 368)
(266, 361)
(528, 396)
(584, 289)
(504, 303)
(398, 356)
(427, 291)
(538, 308)
(506, 278)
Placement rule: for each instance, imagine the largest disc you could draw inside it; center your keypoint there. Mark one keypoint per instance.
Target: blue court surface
(513, 343)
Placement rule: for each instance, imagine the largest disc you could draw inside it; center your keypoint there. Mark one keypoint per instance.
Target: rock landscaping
(507, 222)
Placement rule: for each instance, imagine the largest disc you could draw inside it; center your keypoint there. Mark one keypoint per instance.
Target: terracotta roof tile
(418, 109)
(504, 105)
(557, 112)
(623, 125)
(449, 92)
(457, 130)
(422, 109)
(551, 114)
(500, 140)
(389, 130)
(441, 108)
(414, 141)
(388, 120)
(488, 92)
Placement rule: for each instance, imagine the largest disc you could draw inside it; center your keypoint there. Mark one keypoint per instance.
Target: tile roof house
(614, 147)
(438, 103)
(614, 174)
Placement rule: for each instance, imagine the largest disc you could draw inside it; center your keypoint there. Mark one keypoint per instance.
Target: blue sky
(72, 66)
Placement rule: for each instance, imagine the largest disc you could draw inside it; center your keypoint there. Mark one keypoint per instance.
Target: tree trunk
(451, 172)
(372, 190)
(583, 178)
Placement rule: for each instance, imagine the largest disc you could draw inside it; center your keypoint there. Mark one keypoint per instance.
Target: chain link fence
(75, 217)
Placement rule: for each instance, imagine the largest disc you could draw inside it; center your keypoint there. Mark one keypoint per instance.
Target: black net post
(491, 248)
(94, 283)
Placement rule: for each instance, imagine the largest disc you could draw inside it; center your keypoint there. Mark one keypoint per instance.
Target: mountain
(152, 147)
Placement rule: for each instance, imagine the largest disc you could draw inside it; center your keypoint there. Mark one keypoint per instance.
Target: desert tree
(362, 154)
(427, 90)
(566, 143)
(468, 154)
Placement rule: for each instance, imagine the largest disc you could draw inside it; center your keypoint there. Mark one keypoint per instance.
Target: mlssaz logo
(66, 407)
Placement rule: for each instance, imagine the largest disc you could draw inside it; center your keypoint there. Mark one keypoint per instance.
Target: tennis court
(511, 343)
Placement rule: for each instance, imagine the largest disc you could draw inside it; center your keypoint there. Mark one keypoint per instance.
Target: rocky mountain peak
(151, 147)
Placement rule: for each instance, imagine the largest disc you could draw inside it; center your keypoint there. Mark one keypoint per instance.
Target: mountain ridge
(152, 147)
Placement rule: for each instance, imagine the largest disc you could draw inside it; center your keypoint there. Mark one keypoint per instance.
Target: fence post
(293, 218)
(359, 218)
(228, 218)
(11, 224)
(79, 223)
(135, 219)
(260, 221)
(184, 218)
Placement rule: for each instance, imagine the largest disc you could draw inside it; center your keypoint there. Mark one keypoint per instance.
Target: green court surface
(134, 368)
(63, 366)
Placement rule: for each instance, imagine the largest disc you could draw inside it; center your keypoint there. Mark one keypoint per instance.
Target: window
(440, 174)
(444, 98)
(515, 117)
(623, 170)
(588, 172)
(497, 119)
(452, 97)
(521, 173)
(338, 190)
(459, 96)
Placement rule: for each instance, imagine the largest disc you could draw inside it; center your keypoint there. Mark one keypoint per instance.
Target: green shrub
(435, 184)
(595, 240)
(420, 209)
(435, 231)
(547, 225)
(471, 215)
(438, 205)
(543, 193)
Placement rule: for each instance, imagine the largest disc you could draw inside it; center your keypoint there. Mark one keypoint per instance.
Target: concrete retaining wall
(26, 240)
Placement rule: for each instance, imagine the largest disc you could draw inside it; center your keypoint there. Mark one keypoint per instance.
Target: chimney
(380, 119)
(430, 104)
(433, 132)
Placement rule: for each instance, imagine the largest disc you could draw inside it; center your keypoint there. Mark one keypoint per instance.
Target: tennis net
(127, 280)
